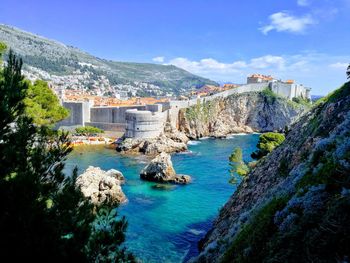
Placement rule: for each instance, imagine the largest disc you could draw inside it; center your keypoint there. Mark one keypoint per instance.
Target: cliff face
(247, 112)
(295, 204)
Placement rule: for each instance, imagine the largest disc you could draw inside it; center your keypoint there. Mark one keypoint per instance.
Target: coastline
(89, 140)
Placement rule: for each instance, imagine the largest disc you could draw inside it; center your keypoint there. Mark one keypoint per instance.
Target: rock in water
(160, 169)
(100, 186)
(152, 146)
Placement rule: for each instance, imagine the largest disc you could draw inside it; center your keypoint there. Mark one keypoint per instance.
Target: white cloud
(159, 59)
(210, 65)
(309, 68)
(207, 65)
(339, 65)
(304, 2)
(284, 22)
(267, 62)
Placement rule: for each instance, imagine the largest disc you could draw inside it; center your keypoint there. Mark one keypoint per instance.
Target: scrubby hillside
(245, 112)
(70, 67)
(295, 205)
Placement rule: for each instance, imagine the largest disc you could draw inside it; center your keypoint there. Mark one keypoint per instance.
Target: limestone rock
(160, 169)
(279, 175)
(100, 186)
(152, 146)
(238, 113)
(172, 133)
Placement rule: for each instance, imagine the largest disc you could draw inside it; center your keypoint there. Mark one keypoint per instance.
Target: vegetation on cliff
(43, 216)
(267, 143)
(295, 206)
(239, 113)
(312, 224)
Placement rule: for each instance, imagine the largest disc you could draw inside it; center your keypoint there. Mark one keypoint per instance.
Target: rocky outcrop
(161, 170)
(171, 132)
(239, 113)
(100, 186)
(169, 142)
(294, 205)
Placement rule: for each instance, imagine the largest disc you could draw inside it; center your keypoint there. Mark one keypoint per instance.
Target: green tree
(348, 72)
(237, 166)
(267, 142)
(43, 217)
(42, 105)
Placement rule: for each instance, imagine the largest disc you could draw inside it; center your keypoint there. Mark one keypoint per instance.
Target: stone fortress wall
(147, 121)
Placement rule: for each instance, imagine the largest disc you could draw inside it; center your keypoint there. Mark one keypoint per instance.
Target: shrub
(267, 143)
(88, 130)
(250, 243)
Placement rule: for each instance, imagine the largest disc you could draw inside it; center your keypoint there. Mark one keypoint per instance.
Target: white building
(288, 89)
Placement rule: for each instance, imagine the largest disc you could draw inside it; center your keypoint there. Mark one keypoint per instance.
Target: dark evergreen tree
(348, 72)
(43, 216)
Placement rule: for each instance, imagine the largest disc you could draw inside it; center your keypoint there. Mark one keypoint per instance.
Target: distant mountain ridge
(68, 67)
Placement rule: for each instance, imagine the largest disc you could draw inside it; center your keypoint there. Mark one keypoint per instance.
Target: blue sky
(225, 40)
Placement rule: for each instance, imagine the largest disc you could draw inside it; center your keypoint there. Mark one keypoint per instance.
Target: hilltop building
(288, 89)
(259, 78)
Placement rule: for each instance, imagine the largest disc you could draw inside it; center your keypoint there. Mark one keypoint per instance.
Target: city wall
(141, 121)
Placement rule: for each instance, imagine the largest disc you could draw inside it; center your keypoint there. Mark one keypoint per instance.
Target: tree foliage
(88, 130)
(43, 217)
(237, 166)
(42, 105)
(348, 72)
(3, 48)
(267, 142)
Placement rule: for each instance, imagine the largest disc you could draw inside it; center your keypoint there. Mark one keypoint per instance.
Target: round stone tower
(143, 124)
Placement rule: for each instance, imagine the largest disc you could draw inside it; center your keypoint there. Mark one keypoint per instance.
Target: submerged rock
(100, 186)
(163, 187)
(160, 169)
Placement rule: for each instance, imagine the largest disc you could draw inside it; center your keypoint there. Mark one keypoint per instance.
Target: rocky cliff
(295, 204)
(247, 112)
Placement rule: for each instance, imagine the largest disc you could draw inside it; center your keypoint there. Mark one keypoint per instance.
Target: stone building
(290, 90)
(287, 89)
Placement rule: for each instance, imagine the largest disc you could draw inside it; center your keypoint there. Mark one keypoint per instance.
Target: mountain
(294, 206)
(68, 67)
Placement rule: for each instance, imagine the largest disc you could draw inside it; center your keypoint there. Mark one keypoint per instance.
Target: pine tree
(43, 216)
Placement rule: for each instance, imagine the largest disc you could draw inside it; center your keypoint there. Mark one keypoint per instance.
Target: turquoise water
(164, 225)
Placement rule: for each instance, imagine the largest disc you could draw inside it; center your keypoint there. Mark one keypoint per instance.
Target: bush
(88, 130)
(267, 143)
(302, 101)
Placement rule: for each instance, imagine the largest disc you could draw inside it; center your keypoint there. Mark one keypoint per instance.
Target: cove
(165, 222)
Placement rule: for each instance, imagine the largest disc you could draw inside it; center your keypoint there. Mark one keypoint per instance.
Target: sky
(224, 40)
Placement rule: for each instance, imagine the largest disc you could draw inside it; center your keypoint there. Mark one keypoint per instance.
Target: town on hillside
(288, 89)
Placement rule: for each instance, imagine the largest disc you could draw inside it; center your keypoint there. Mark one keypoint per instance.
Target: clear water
(164, 225)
